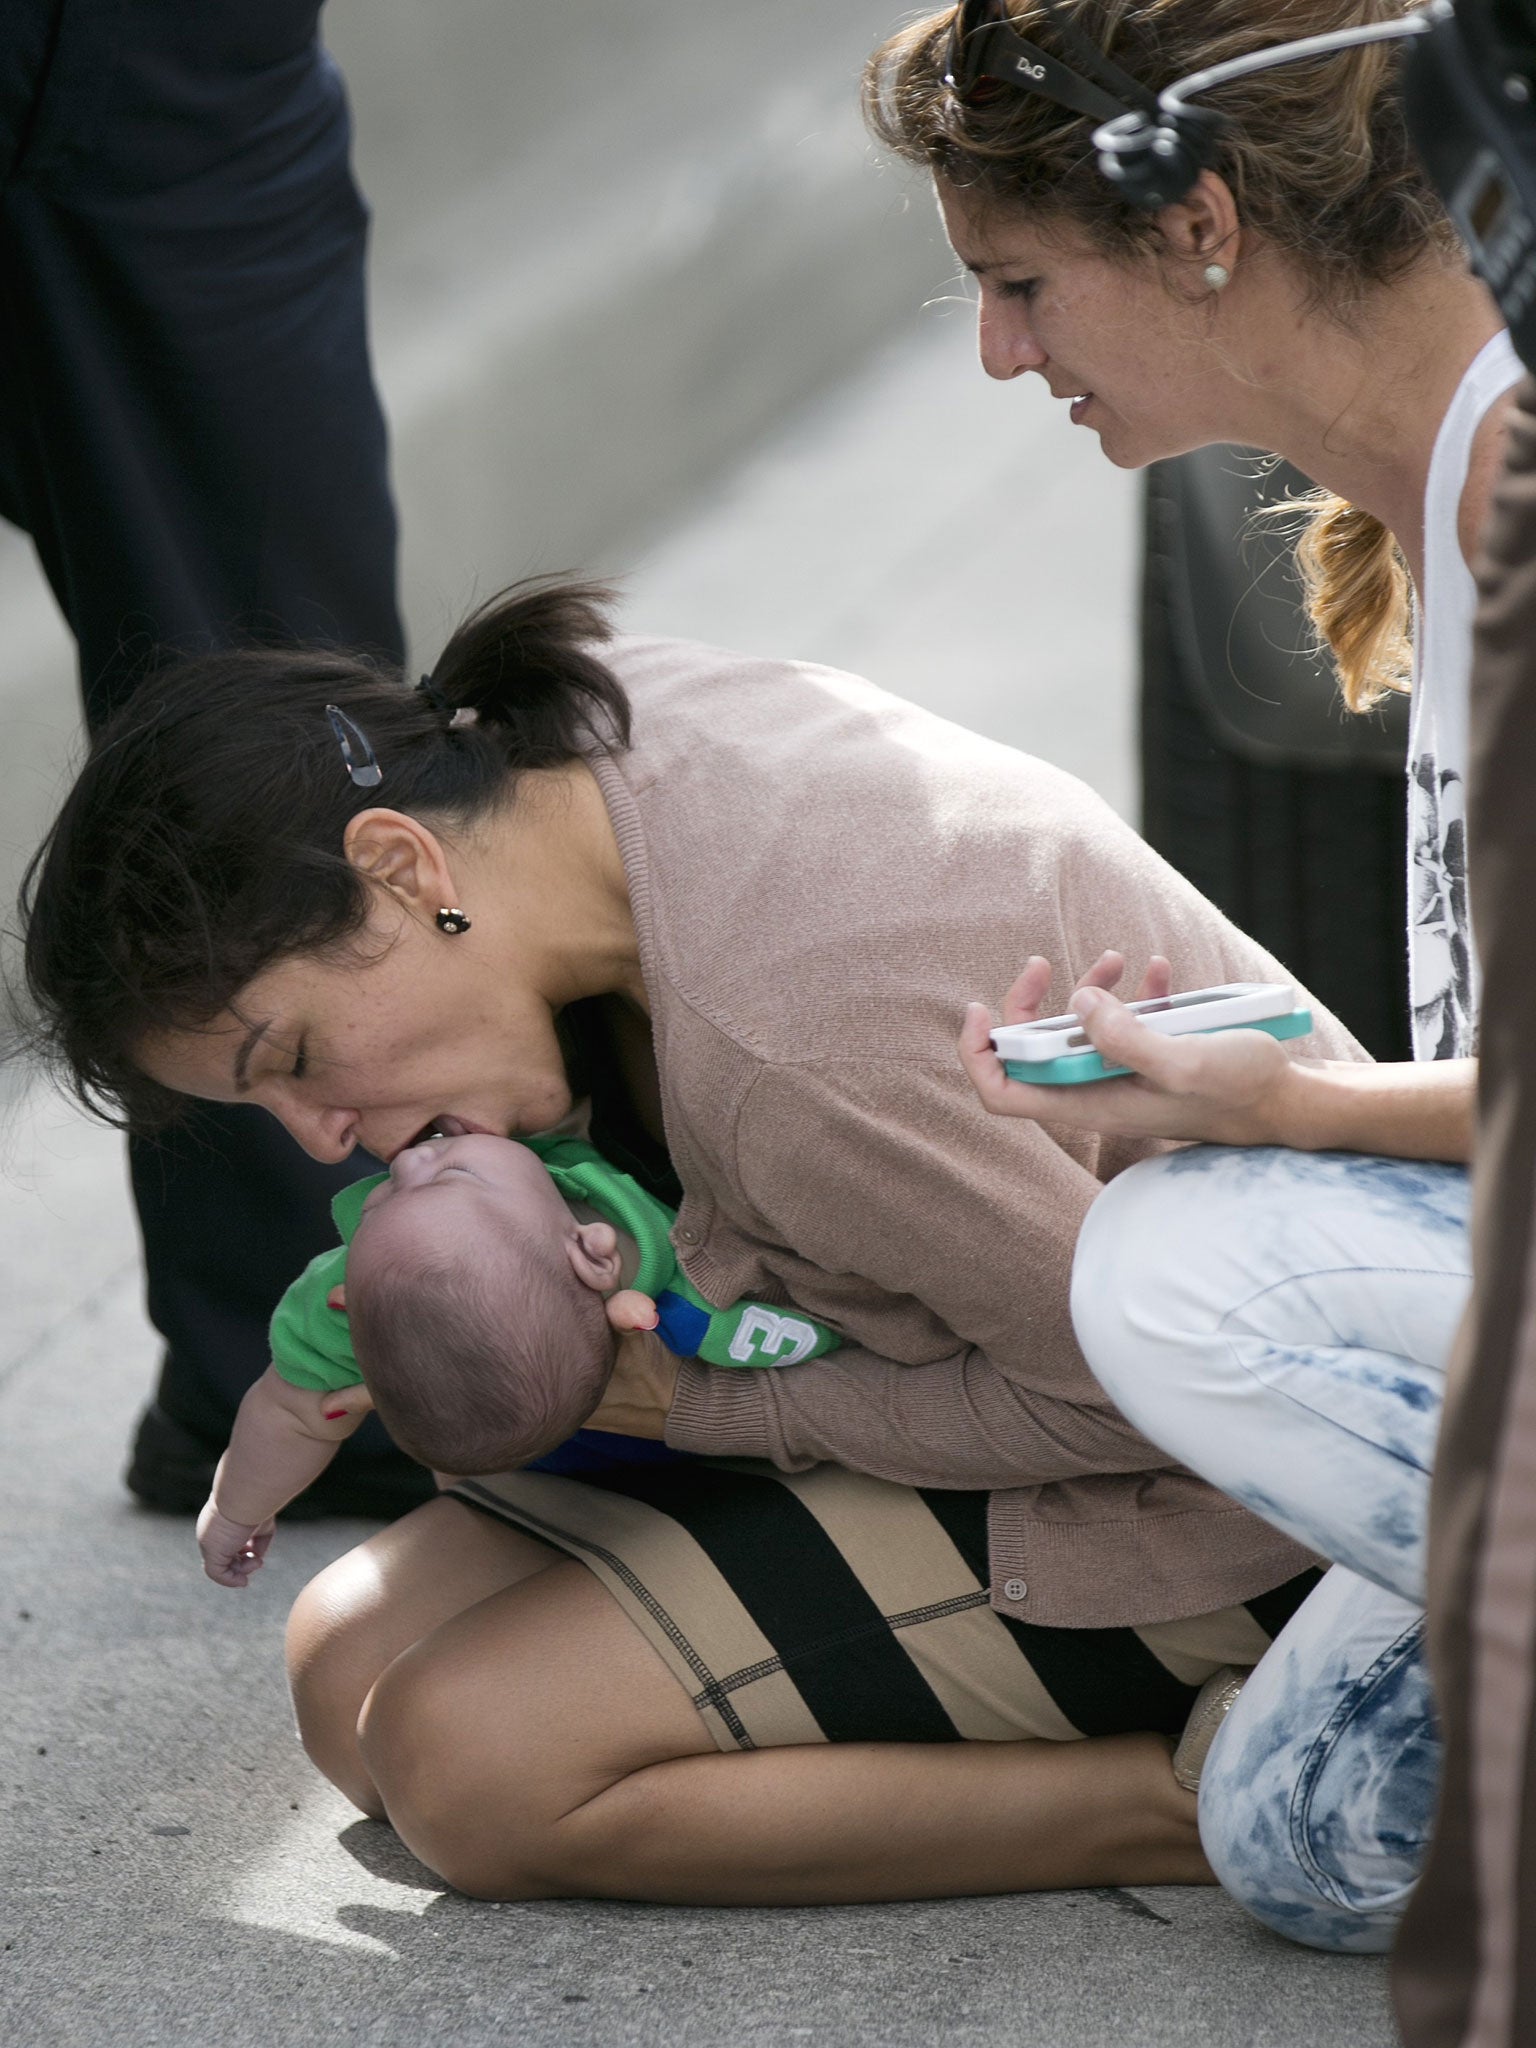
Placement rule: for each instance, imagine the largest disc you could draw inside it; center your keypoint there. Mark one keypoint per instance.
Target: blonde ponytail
(1358, 598)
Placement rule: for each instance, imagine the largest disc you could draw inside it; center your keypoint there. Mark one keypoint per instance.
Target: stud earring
(1217, 276)
(452, 921)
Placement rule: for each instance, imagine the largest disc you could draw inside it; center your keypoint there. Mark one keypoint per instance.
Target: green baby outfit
(312, 1343)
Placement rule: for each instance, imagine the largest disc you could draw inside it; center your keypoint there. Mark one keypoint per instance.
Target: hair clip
(464, 714)
(362, 763)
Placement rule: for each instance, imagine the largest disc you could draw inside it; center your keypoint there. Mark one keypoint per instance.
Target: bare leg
(536, 1746)
(356, 1617)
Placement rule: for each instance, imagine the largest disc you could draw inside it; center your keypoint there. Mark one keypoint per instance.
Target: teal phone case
(1073, 1068)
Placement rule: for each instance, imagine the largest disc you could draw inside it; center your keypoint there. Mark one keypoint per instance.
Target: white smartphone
(1058, 1050)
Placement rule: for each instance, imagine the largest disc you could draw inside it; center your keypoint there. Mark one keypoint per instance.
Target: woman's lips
(461, 1127)
(447, 1127)
(1080, 406)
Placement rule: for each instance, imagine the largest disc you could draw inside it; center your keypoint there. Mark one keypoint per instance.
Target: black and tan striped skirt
(830, 1607)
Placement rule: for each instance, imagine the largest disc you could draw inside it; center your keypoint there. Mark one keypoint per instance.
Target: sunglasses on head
(987, 57)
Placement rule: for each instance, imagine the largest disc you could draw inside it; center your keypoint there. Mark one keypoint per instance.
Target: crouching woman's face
(1148, 356)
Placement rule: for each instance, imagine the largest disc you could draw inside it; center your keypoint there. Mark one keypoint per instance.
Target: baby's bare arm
(283, 1439)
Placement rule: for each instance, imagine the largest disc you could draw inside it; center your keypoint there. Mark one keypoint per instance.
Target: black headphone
(1153, 160)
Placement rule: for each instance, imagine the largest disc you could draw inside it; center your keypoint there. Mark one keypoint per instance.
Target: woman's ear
(403, 857)
(1203, 227)
(593, 1250)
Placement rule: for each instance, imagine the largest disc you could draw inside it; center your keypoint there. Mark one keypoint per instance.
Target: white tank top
(1444, 985)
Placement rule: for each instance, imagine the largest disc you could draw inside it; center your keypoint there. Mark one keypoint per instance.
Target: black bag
(1283, 807)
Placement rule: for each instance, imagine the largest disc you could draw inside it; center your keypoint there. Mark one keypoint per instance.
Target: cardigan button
(689, 1236)
(1015, 1589)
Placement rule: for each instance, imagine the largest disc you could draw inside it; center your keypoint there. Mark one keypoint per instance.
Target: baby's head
(475, 1300)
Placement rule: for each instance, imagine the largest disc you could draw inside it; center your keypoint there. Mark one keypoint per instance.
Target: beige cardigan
(821, 874)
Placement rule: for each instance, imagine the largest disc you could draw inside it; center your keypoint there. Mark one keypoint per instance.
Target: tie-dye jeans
(1282, 1322)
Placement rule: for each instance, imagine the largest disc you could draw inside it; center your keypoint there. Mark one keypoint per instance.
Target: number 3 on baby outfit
(785, 1340)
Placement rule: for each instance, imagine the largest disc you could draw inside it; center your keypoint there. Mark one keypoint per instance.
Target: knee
(450, 1806)
(1256, 1862)
(1134, 1292)
(1293, 1861)
(331, 1664)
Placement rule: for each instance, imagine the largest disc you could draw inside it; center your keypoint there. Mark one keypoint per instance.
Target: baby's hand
(629, 1309)
(232, 1551)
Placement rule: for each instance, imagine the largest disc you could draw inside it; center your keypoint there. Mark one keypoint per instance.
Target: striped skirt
(827, 1606)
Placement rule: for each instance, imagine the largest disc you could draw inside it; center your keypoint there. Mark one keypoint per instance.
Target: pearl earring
(1217, 276)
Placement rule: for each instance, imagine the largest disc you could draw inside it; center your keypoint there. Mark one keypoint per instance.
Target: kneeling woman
(847, 1650)
(1277, 1309)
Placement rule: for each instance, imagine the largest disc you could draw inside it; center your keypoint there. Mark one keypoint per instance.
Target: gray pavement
(612, 247)
(956, 540)
(171, 1870)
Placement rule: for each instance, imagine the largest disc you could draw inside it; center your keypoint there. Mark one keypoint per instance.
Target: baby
(477, 1300)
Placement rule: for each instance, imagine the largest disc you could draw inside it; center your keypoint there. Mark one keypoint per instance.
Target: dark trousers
(190, 434)
(1281, 808)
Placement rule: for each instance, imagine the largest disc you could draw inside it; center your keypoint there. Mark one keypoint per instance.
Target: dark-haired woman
(1277, 1308)
(735, 902)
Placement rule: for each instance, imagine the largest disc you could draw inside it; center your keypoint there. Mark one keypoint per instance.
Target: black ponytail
(523, 664)
(202, 841)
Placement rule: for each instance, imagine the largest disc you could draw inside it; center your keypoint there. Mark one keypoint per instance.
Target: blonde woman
(1277, 1306)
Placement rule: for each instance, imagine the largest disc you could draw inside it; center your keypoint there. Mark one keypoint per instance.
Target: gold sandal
(1214, 1701)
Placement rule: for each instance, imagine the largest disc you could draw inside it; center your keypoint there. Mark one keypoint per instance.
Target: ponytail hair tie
(457, 715)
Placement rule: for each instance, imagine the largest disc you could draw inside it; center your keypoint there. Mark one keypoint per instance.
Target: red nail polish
(334, 1414)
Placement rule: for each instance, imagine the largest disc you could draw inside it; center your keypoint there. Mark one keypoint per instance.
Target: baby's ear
(593, 1250)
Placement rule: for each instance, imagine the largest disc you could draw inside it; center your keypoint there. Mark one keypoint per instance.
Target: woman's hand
(1228, 1088)
(638, 1396)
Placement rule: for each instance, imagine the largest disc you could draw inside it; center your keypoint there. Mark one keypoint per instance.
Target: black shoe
(171, 1470)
